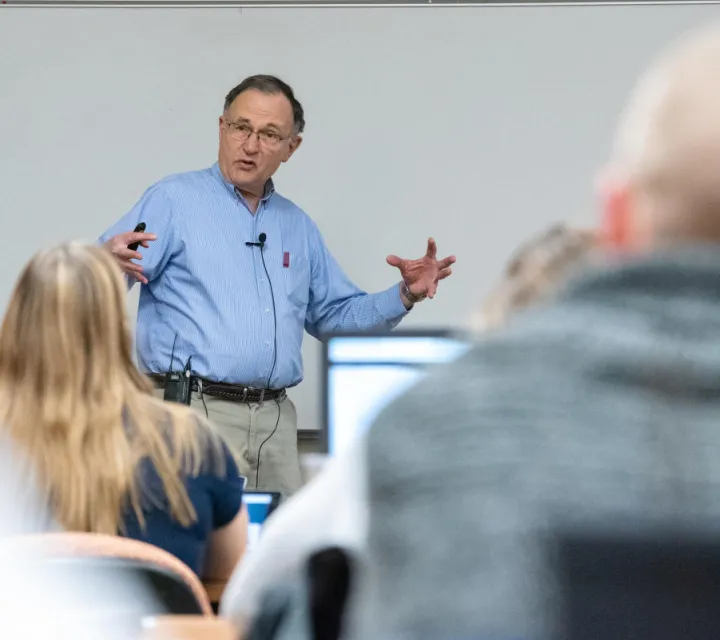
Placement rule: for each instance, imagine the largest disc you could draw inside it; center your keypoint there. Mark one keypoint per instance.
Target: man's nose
(252, 144)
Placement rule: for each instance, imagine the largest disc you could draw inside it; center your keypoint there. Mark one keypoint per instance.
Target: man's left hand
(421, 276)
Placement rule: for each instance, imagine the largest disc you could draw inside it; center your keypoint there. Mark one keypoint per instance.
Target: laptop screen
(259, 506)
(363, 373)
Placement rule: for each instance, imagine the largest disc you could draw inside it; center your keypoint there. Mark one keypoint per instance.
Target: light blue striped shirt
(208, 294)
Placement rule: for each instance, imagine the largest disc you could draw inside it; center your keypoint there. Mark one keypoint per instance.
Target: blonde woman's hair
(536, 270)
(73, 400)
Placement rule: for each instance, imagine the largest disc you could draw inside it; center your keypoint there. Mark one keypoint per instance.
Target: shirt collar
(235, 192)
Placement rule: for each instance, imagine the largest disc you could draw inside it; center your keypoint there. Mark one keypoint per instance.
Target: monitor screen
(363, 373)
(259, 506)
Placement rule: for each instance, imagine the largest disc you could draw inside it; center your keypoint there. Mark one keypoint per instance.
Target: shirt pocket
(297, 279)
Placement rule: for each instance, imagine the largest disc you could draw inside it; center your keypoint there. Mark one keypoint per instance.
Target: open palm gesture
(422, 275)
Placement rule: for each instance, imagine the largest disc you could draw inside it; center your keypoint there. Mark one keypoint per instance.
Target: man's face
(256, 135)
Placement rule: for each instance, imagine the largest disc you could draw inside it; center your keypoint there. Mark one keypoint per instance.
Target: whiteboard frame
(326, 4)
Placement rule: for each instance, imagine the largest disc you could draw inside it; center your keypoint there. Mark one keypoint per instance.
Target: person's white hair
(667, 146)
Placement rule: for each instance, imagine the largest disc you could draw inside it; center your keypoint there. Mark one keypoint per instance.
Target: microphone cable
(274, 364)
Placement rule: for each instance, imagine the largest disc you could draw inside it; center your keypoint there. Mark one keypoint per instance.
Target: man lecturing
(233, 274)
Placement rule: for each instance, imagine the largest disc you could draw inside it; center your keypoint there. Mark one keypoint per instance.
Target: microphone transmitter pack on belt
(177, 386)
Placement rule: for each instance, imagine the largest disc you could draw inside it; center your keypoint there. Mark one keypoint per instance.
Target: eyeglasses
(240, 132)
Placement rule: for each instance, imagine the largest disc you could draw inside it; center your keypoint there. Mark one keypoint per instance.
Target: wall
(476, 125)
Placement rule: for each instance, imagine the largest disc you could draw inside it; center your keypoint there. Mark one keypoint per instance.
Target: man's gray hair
(270, 85)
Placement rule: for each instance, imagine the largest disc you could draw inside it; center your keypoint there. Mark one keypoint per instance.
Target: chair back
(173, 584)
(312, 608)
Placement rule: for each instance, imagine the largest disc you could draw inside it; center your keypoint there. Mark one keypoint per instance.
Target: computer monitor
(365, 372)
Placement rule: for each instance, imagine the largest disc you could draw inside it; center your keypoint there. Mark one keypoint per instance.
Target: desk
(180, 627)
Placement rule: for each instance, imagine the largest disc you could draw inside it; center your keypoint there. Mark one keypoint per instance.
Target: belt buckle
(262, 395)
(244, 396)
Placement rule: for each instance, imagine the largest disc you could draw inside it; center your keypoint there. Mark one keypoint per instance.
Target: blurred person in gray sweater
(603, 403)
(332, 509)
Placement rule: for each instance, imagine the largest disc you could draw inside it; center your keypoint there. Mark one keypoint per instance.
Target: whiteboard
(477, 125)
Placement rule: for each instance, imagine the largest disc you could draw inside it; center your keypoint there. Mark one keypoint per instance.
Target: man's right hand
(118, 246)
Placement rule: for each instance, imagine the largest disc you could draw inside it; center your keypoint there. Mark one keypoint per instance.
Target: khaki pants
(245, 427)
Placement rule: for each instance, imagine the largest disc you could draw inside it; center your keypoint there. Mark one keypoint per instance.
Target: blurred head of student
(74, 402)
(662, 185)
(537, 269)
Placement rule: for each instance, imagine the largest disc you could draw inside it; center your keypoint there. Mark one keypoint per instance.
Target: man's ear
(295, 143)
(617, 226)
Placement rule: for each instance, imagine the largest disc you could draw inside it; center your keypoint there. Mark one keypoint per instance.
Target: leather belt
(232, 392)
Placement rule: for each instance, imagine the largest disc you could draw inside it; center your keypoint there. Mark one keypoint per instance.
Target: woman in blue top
(113, 458)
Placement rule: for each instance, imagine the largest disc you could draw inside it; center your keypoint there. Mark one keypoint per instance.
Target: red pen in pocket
(286, 259)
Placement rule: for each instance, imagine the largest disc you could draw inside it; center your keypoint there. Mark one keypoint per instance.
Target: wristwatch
(409, 295)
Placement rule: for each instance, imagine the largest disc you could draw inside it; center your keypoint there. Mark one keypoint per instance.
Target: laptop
(259, 504)
(364, 372)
